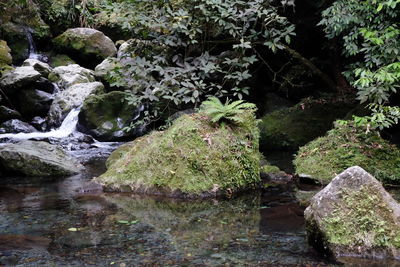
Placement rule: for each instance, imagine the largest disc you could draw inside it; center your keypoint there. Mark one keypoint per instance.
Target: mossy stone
(346, 146)
(105, 116)
(193, 158)
(5, 56)
(60, 60)
(290, 128)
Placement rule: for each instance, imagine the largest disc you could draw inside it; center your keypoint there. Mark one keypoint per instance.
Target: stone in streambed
(354, 216)
(30, 158)
(19, 77)
(8, 114)
(16, 126)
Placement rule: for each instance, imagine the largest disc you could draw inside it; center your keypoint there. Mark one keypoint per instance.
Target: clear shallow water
(68, 222)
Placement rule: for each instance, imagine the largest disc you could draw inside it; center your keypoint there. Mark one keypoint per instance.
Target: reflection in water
(69, 222)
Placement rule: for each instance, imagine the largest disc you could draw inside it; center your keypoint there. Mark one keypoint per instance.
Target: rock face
(193, 158)
(16, 126)
(354, 216)
(91, 46)
(290, 128)
(34, 103)
(346, 146)
(8, 114)
(71, 98)
(66, 76)
(104, 116)
(31, 158)
(19, 77)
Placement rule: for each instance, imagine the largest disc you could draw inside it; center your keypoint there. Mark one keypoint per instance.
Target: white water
(67, 127)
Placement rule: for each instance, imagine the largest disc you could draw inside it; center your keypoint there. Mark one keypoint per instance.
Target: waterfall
(67, 127)
(32, 52)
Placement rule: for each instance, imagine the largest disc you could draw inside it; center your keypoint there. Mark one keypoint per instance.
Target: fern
(231, 112)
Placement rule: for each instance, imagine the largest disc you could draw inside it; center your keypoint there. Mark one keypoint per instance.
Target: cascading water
(32, 52)
(67, 127)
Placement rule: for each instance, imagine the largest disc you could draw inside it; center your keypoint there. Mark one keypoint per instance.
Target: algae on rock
(346, 146)
(192, 158)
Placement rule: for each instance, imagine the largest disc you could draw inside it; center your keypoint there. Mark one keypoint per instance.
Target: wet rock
(8, 114)
(345, 146)
(34, 103)
(44, 84)
(39, 123)
(270, 173)
(105, 116)
(192, 158)
(31, 158)
(19, 77)
(354, 216)
(17, 126)
(39, 66)
(66, 76)
(71, 98)
(290, 128)
(89, 45)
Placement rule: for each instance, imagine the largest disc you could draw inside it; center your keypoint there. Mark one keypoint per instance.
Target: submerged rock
(66, 76)
(193, 158)
(89, 45)
(346, 146)
(19, 77)
(105, 116)
(290, 128)
(71, 98)
(354, 216)
(17, 126)
(31, 158)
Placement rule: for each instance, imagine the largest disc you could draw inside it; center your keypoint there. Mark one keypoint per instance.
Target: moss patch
(5, 56)
(290, 128)
(347, 146)
(192, 157)
(60, 60)
(362, 218)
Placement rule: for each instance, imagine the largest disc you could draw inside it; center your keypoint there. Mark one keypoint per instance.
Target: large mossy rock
(105, 116)
(70, 98)
(354, 215)
(31, 158)
(192, 158)
(346, 146)
(290, 128)
(87, 46)
(5, 56)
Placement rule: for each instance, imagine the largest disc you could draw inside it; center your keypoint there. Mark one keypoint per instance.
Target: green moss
(61, 60)
(290, 128)
(270, 169)
(5, 57)
(193, 156)
(362, 216)
(347, 146)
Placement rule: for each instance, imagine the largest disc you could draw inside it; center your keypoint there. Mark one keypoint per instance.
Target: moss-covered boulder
(31, 158)
(104, 116)
(346, 146)
(5, 56)
(290, 128)
(60, 60)
(192, 158)
(88, 46)
(354, 215)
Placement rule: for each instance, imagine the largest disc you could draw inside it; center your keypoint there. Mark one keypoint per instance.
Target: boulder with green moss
(354, 216)
(60, 60)
(104, 116)
(5, 56)
(192, 158)
(87, 46)
(290, 128)
(346, 146)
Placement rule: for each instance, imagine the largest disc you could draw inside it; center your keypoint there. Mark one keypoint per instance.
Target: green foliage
(217, 111)
(348, 145)
(209, 48)
(371, 40)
